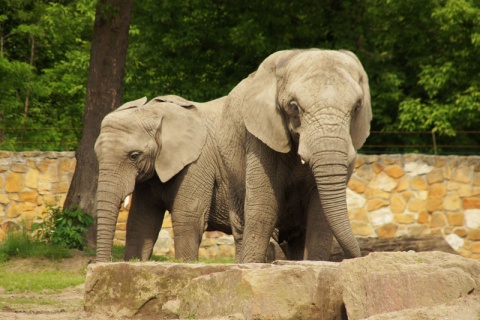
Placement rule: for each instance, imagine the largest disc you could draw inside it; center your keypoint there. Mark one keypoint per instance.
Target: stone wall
(388, 196)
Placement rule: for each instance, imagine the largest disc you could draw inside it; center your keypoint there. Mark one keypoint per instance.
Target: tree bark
(104, 94)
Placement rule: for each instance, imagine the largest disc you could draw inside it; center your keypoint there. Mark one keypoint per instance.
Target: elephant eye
(357, 106)
(293, 107)
(134, 155)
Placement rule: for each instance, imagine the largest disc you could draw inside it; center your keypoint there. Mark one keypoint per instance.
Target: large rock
(388, 282)
(284, 290)
(380, 286)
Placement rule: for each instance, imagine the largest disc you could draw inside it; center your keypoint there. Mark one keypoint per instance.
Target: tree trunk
(104, 94)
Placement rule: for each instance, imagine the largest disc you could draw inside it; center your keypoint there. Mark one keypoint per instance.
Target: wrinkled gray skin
(163, 152)
(300, 106)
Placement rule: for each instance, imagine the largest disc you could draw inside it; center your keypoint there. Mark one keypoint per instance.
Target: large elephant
(163, 151)
(288, 136)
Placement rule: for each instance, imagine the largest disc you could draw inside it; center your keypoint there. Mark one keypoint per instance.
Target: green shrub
(64, 227)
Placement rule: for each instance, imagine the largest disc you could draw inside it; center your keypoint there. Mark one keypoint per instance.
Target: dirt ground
(65, 304)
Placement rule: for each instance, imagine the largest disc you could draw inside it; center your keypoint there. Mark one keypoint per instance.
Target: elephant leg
(237, 224)
(144, 221)
(296, 247)
(319, 237)
(261, 201)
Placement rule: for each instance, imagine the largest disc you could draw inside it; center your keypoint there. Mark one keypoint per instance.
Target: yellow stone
(31, 178)
(377, 167)
(455, 218)
(476, 179)
(64, 164)
(434, 204)
(397, 203)
(359, 162)
(404, 218)
(461, 232)
(360, 215)
(29, 215)
(417, 230)
(167, 221)
(438, 220)
(423, 217)
(365, 172)
(120, 235)
(2, 182)
(60, 187)
(357, 185)
(462, 174)
(15, 182)
(473, 234)
(121, 226)
(447, 230)
(475, 247)
(376, 193)
(394, 171)
(361, 228)
(407, 195)
(388, 230)
(28, 196)
(403, 184)
(18, 167)
(435, 176)
(416, 205)
(375, 204)
(437, 190)
(122, 216)
(418, 183)
(452, 202)
(471, 203)
(14, 210)
(202, 253)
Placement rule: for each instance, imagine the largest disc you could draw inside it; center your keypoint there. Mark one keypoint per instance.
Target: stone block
(462, 232)
(122, 216)
(380, 217)
(417, 230)
(471, 203)
(360, 215)
(418, 183)
(473, 234)
(15, 182)
(455, 218)
(472, 218)
(376, 194)
(383, 182)
(416, 205)
(437, 190)
(354, 200)
(359, 162)
(377, 167)
(397, 203)
(4, 199)
(362, 228)
(394, 171)
(435, 176)
(434, 204)
(29, 215)
(438, 219)
(375, 204)
(28, 196)
(388, 230)
(302, 290)
(403, 184)
(452, 202)
(357, 185)
(475, 247)
(404, 218)
(390, 282)
(463, 174)
(476, 179)
(31, 178)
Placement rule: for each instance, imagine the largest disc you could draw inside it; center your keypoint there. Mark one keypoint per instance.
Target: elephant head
(316, 103)
(136, 142)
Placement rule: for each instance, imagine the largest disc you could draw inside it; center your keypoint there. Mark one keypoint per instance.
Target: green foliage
(64, 227)
(21, 244)
(421, 58)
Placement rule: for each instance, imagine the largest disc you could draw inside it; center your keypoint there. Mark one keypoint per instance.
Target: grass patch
(21, 244)
(39, 281)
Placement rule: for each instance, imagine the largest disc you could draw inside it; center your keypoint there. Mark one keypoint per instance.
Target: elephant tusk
(303, 161)
(126, 202)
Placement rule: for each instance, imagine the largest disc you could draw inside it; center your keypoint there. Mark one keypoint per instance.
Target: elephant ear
(360, 127)
(175, 99)
(132, 104)
(181, 134)
(261, 115)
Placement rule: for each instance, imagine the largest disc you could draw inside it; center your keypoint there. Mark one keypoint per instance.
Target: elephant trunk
(109, 199)
(330, 169)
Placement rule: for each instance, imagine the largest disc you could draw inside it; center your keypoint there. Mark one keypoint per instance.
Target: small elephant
(163, 152)
(288, 137)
